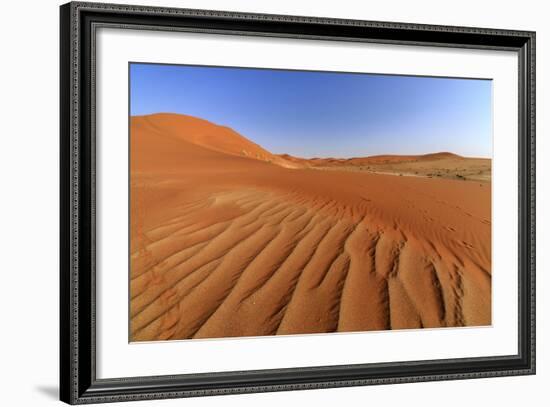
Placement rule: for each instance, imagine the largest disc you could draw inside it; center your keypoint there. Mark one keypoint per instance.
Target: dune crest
(224, 244)
(205, 134)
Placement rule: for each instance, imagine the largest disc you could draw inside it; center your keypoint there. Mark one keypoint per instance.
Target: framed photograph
(254, 203)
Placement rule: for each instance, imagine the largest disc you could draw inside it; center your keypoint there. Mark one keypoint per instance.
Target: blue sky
(325, 114)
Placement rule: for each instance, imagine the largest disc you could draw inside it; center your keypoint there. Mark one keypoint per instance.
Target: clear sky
(325, 114)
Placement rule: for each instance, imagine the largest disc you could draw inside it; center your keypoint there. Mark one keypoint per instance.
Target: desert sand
(444, 165)
(228, 239)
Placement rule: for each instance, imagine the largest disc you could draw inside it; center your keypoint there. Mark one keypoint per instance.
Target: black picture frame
(78, 382)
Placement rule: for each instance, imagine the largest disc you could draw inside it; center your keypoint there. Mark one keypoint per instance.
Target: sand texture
(228, 239)
(437, 165)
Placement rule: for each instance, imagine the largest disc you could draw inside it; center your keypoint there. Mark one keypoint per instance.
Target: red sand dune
(444, 165)
(375, 159)
(225, 243)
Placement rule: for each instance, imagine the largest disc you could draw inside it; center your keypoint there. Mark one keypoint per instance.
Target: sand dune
(230, 244)
(442, 165)
(181, 128)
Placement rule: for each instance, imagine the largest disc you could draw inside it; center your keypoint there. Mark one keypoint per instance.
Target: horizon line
(312, 157)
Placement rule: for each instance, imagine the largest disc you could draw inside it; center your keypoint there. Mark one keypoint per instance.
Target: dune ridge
(442, 164)
(226, 245)
(206, 134)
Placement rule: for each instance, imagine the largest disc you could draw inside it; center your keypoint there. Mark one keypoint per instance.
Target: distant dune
(228, 239)
(443, 164)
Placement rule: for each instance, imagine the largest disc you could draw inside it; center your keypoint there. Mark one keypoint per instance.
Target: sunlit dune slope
(225, 244)
(175, 128)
